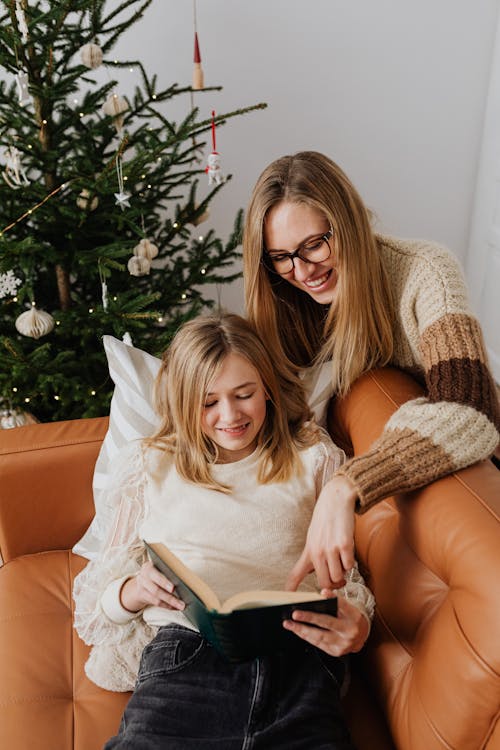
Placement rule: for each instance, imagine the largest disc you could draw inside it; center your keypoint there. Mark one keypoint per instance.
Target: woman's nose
(302, 269)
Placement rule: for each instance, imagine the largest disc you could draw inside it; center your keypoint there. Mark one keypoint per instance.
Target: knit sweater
(248, 539)
(439, 342)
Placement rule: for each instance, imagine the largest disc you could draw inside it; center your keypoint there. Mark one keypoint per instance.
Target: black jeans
(188, 697)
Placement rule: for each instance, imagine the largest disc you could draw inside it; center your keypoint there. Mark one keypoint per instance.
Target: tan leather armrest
(432, 559)
(46, 484)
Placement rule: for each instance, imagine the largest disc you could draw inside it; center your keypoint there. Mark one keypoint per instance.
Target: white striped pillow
(131, 416)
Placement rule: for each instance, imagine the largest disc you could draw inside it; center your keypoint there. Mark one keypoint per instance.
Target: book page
(251, 599)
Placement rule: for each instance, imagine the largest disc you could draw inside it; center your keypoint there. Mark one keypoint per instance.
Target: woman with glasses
(321, 286)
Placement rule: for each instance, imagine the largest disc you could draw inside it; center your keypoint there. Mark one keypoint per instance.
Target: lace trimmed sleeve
(121, 556)
(330, 458)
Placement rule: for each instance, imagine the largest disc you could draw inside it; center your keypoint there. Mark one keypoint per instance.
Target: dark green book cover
(252, 629)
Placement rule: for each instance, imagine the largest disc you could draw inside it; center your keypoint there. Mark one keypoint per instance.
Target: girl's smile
(235, 409)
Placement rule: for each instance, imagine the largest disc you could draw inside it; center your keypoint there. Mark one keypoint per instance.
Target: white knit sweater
(249, 539)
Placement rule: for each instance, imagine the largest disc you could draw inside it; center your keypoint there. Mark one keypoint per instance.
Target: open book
(246, 625)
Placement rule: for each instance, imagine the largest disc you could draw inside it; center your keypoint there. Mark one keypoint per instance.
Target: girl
(228, 483)
(321, 287)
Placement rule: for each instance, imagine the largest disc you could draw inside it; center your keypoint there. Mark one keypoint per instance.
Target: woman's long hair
(356, 330)
(191, 362)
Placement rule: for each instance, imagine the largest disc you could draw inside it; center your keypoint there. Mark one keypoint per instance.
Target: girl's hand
(346, 633)
(329, 548)
(149, 586)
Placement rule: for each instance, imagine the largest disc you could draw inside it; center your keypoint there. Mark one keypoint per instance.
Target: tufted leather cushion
(43, 683)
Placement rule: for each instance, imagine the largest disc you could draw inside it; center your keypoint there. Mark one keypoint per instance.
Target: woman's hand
(344, 634)
(149, 586)
(329, 548)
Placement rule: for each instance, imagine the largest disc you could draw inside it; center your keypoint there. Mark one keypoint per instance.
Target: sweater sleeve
(99, 617)
(329, 459)
(457, 423)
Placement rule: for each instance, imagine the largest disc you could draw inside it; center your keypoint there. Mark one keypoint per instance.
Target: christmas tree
(99, 205)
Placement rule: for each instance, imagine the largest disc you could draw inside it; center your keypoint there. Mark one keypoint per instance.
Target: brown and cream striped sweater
(436, 339)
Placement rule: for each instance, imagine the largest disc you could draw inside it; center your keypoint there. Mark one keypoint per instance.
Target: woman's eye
(209, 404)
(245, 395)
(314, 244)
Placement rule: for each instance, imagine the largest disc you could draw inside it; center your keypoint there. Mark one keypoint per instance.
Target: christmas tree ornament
(9, 284)
(198, 75)
(139, 266)
(22, 82)
(115, 106)
(121, 197)
(83, 201)
(21, 21)
(146, 249)
(14, 174)
(35, 323)
(105, 296)
(201, 218)
(127, 339)
(213, 166)
(10, 418)
(91, 55)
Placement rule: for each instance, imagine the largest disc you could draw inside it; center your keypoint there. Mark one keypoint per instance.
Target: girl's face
(289, 226)
(235, 409)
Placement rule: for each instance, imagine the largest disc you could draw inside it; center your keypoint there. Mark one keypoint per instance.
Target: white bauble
(84, 203)
(91, 55)
(35, 323)
(146, 249)
(115, 106)
(139, 266)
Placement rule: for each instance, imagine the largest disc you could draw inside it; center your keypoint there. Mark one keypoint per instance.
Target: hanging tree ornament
(9, 284)
(139, 265)
(14, 174)
(202, 217)
(85, 202)
(115, 106)
(104, 288)
(146, 249)
(198, 77)
(121, 197)
(35, 323)
(22, 82)
(213, 168)
(21, 21)
(91, 55)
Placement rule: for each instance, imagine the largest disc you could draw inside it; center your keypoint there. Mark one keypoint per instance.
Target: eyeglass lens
(316, 250)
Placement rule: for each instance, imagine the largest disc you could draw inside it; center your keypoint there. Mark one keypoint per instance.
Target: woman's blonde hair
(356, 330)
(188, 366)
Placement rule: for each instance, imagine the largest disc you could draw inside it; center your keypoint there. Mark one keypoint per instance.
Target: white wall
(393, 90)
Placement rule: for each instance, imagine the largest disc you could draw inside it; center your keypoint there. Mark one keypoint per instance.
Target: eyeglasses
(315, 250)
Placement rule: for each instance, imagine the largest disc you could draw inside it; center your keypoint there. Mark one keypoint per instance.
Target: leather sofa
(429, 677)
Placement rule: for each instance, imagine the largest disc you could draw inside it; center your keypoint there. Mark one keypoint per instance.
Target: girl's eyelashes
(241, 397)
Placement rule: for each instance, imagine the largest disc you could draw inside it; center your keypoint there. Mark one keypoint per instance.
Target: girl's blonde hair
(356, 330)
(189, 365)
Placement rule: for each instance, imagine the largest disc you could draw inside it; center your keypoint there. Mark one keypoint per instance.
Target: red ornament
(198, 76)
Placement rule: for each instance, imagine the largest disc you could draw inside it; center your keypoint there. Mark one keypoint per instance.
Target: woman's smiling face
(287, 227)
